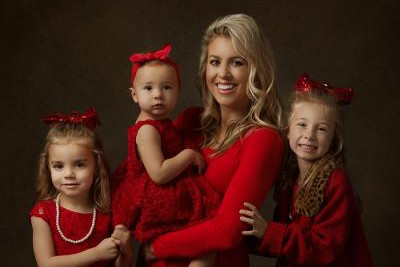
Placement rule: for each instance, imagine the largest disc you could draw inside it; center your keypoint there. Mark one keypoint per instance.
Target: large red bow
(160, 55)
(89, 118)
(343, 95)
(139, 59)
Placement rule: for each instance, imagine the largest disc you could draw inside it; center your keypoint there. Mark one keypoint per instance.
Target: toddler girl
(317, 220)
(71, 221)
(159, 192)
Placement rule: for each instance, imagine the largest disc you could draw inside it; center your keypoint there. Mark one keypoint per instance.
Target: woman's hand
(253, 217)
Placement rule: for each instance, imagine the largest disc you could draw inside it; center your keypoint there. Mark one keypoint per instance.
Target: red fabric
(148, 209)
(245, 172)
(334, 237)
(74, 226)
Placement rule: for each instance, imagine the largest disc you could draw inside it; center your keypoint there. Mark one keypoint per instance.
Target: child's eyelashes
(57, 166)
(147, 87)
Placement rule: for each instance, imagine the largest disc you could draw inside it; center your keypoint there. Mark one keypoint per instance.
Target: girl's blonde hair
(335, 152)
(250, 43)
(61, 133)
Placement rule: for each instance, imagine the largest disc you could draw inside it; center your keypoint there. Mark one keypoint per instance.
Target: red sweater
(334, 237)
(245, 172)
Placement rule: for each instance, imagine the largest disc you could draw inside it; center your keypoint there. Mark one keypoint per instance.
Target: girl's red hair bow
(343, 95)
(163, 55)
(157, 55)
(89, 118)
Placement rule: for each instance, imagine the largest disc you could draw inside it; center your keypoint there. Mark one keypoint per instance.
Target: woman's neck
(227, 117)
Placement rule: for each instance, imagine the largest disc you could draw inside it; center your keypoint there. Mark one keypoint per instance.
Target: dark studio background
(67, 55)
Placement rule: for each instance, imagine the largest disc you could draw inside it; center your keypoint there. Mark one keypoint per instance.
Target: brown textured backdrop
(65, 55)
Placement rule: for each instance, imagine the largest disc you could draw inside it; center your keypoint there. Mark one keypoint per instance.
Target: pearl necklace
(59, 228)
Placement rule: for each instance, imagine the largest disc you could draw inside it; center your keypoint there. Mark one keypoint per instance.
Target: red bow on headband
(343, 95)
(139, 59)
(160, 55)
(89, 118)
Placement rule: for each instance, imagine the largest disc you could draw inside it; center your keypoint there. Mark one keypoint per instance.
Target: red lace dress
(74, 226)
(149, 209)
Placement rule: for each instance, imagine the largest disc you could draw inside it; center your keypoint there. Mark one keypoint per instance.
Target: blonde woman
(239, 132)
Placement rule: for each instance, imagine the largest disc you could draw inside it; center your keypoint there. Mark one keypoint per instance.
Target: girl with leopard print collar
(317, 219)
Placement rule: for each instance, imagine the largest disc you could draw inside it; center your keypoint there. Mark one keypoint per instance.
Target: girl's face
(156, 90)
(226, 75)
(311, 131)
(72, 168)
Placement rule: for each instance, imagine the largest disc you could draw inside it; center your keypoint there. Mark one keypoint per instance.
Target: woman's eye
(237, 63)
(301, 124)
(322, 129)
(214, 62)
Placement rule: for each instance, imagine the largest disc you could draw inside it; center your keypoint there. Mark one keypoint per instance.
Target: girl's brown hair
(62, 133)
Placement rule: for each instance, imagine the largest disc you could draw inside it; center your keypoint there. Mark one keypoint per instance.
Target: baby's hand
(107, 249)
(198, 160)
(122, 234)
(253, 217)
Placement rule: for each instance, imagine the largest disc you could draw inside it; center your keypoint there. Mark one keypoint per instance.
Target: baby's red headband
(89, 118)
(162, 55)
(342, 95)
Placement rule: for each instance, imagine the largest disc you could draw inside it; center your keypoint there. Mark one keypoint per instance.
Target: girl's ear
(133, 94)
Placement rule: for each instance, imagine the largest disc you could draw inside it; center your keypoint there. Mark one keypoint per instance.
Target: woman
(241, 143)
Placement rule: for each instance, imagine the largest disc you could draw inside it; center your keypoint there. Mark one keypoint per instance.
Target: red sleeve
(260, 161)
(40, 210)
(315, 240)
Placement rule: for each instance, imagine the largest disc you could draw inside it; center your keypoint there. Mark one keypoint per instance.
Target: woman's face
(226, 75)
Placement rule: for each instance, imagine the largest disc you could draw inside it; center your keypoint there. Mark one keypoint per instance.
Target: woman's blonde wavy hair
(64, 133)
(265, 109)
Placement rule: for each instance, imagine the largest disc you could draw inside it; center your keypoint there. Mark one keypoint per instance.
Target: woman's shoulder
(263, 134)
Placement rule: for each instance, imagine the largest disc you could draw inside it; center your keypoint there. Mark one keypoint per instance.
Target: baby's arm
(43, 248)
(162, 170)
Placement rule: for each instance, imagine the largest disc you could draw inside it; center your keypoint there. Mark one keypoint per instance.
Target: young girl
(241, 144)
(71, 221)
(317, 220)
(159, 194)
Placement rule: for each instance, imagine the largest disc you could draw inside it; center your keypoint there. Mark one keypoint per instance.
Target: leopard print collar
(309, 201)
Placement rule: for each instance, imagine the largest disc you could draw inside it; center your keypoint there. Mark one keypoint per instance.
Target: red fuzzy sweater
(334, 237)
(245, 172)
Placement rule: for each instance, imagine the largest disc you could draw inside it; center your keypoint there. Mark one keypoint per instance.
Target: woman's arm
(323, 240)
(43, 249)
(162, 170)
(259, 164)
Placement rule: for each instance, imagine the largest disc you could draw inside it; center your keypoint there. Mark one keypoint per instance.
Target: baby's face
(311, 131)
(156, 90)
